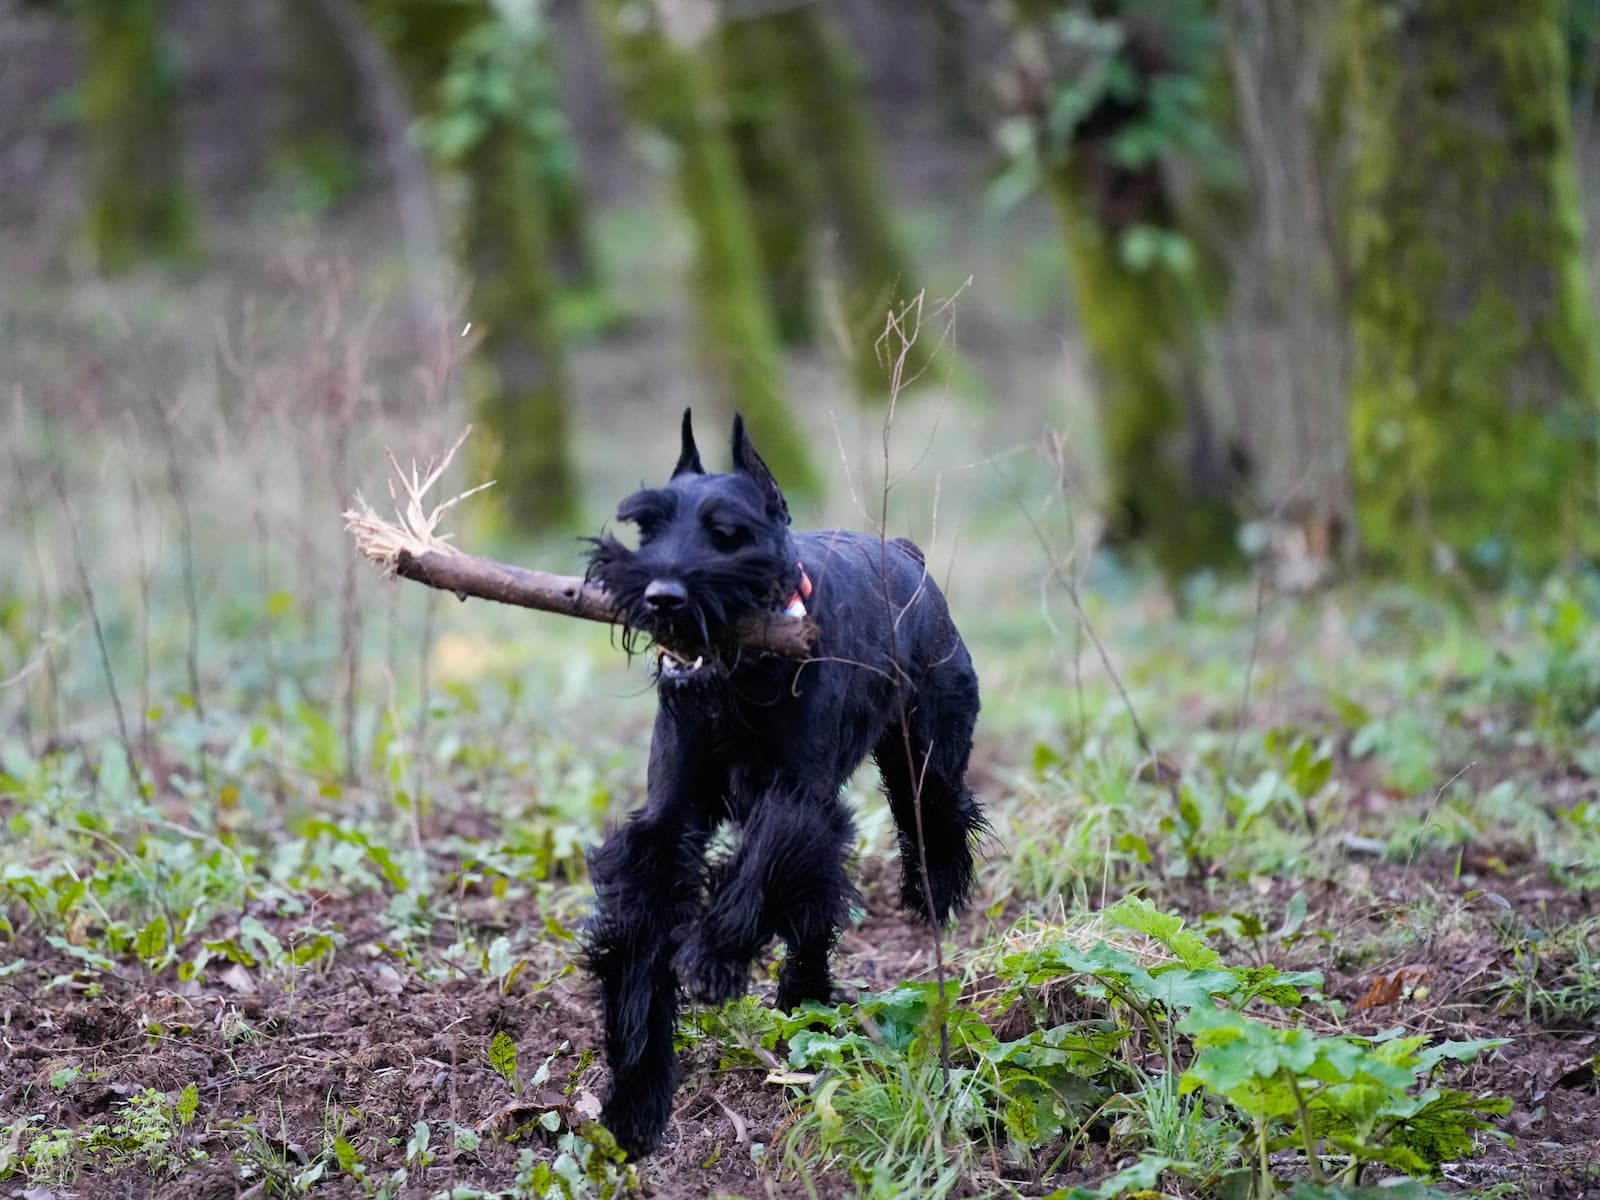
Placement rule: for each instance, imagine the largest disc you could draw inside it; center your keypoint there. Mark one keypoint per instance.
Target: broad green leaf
(251, 927)
(152, 940)
(503, 1055)
(1138, 914)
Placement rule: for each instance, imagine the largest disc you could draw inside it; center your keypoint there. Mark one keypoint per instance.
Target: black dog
(767, 743)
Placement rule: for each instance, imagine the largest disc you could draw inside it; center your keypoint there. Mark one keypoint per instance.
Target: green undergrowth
(267, 830)
(1220, 1079)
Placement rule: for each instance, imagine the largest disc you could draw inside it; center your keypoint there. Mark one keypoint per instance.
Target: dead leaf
(389, 981)
(526, 1109)
(1393, 987)
(238, 979)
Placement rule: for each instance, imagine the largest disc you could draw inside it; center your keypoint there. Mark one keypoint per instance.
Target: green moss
(450, 53)
(138, 204)
(1473, 408)
(518, 379)
(1143, 329)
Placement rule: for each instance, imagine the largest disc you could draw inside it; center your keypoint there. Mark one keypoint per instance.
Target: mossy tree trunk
(321, 137)
(1146, 281)
(138, 204)
(1474, 400)
(763, 128)
(519, 386)
(661, 53)
(1167, 485)
(470, 77)
(823, 82)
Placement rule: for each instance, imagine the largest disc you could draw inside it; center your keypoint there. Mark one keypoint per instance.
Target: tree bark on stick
(486, 579)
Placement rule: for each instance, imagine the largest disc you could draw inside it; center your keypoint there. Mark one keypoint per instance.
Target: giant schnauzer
(766, 743)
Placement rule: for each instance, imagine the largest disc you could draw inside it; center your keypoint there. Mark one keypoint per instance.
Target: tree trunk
(1283, 350)
(1147, 282)
(1473, 407)
(518, 384)
(873, 274)
(321, 138)
(504, 242)
(138, 204)
(1166, 483)
(561, 177)
(660, 55)
(763, 129)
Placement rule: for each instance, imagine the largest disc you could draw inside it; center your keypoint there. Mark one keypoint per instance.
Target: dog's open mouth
(677, 667)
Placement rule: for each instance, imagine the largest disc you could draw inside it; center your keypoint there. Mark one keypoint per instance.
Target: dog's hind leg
(647, 879)
(787, 880)
(922, 759)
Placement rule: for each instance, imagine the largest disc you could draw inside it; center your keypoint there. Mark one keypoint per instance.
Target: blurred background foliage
(1326, 262)
(1198, 285)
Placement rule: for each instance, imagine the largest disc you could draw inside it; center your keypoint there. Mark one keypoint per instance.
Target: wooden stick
(486, 579)
(411, 546)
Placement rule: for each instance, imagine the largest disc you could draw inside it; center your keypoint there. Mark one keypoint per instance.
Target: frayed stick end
(414, 530)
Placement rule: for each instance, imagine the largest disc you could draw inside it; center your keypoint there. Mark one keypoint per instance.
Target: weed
(1367, 1099)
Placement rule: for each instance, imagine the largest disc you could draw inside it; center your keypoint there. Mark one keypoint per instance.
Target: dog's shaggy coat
(766, 743)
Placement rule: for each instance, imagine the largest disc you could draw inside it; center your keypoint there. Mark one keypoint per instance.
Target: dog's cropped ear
(746, 459)
(689, 456)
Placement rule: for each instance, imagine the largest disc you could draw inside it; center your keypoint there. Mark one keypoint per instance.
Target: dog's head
(712, 549)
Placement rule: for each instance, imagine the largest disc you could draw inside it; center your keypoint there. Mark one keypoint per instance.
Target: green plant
(907, 1089)
(1370, 1099)
(148, 1131)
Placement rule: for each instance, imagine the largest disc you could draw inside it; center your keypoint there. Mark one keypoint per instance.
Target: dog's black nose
(666, 595)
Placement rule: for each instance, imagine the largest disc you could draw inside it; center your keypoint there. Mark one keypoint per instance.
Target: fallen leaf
(237, 978)
(1393, 987)
(587, 1104)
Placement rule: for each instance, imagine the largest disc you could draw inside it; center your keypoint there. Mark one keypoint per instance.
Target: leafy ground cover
(1341, 930)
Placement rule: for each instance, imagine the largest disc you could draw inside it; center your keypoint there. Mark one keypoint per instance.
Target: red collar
(796, 606)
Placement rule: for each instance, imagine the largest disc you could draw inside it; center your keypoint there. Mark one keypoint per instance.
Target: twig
(895, 327)
(136, 498)
(43, 598)
(99, 630)
(1070, 586)
(190, 592)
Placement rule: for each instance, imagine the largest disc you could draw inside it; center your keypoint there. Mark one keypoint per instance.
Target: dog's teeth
(699, 659)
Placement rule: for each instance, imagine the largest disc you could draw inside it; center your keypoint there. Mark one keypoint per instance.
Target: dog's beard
(751, 581)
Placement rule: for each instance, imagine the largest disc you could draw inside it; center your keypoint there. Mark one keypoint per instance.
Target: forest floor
(364, 996)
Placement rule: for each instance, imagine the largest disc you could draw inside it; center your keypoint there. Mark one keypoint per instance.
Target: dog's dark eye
(727, 538)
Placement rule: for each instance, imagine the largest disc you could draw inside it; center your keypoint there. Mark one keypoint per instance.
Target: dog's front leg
(787, 879)
(647, 885)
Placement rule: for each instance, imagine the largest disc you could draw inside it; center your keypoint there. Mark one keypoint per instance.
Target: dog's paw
(709, 976)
